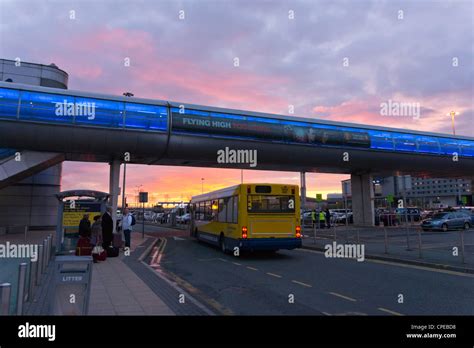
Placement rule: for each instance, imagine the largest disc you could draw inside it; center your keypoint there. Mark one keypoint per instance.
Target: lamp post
(202, 185)
(138, 193)
(453, 113)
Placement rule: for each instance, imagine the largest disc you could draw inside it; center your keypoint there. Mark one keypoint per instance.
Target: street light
(452, 114)
(128, 94)
(202, 185)
(138, 192)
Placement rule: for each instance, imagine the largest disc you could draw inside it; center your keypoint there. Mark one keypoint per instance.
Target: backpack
(133, 220)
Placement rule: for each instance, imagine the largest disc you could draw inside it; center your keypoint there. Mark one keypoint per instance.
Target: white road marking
(344, 297)
(177, 238)
(252, 268)
(301, 283)
(237, 264)
(274, 275)
(389, 311)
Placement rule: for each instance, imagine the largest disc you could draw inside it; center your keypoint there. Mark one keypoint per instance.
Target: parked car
(148, 216)
(413, 214)
(445, 221)
(183, 219)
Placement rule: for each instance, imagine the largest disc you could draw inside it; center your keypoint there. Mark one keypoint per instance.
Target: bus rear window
(263, 189)
(271, 204)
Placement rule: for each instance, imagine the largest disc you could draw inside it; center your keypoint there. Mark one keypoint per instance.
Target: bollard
(45, 255)
(33, 270)
(51, 246)
(48, 254)
(408, 237)
(21, 288)
(5, 291)
(420, 254)
(462, 246)
(39, 270)
(385, 238)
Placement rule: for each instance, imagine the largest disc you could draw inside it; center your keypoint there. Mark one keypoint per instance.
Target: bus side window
(214, 210)
(229, 206)
(235, 210)
(208, 211)
(221, 217)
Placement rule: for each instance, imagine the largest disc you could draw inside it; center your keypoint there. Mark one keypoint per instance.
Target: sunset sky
(332, 60)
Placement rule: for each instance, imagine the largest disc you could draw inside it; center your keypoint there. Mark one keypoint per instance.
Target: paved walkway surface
(115, 288)
(438, 249)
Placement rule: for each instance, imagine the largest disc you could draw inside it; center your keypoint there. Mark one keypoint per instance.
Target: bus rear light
(298, 231)
(248, 189)
(244, 232)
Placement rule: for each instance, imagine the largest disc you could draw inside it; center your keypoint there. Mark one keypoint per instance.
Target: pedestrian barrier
(29, 276)
(406, 239)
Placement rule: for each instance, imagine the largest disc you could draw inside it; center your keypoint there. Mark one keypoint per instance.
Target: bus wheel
(222, 244)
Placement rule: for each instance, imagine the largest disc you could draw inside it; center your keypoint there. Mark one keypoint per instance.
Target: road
(265, 284)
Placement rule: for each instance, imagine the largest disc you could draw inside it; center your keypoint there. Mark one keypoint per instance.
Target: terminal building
(27, 198)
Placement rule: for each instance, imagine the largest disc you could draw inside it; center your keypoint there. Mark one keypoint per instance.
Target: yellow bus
(248, 216)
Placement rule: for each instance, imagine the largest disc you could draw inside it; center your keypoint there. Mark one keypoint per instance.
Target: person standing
(85, 227)
(322, 219)
(313, 217)
(328, 218)
(127, 226)
(107, 228)
(96, 231)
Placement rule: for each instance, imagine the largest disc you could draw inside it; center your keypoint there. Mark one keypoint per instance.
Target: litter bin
(72, 283)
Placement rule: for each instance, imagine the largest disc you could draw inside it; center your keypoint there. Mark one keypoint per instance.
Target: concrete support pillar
(114, 188)
(363, 200)
(303, 190)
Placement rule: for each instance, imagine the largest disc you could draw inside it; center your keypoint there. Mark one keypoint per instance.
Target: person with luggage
(96, 231)
(85, 227)
(127, 223)
(107, 228)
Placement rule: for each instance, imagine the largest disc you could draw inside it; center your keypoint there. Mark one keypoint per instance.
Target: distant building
(421, 192)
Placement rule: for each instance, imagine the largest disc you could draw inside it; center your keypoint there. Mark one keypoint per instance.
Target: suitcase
(112, 252)
(100, 257)
(84, 247)
(83, 251)
(117, 241)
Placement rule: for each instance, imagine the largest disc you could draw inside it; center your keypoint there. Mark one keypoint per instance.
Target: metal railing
(29, 277)
(401, 239)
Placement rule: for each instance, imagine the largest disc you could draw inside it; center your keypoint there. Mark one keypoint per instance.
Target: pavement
(117, 290)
